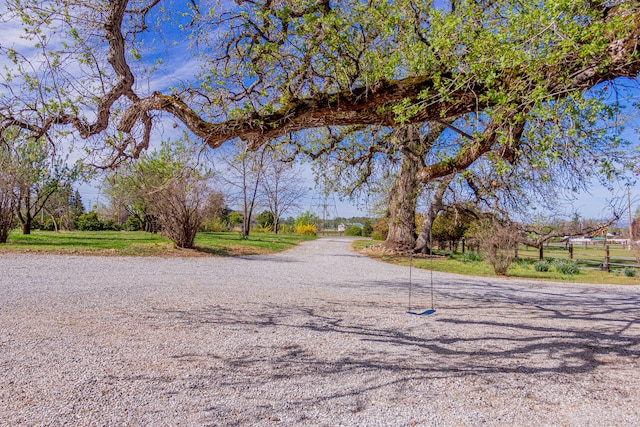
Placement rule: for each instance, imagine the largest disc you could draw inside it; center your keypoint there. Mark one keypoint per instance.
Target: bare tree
(244, 174)
(498, 242)
(179, 204)
(281, 184)
(7, 195)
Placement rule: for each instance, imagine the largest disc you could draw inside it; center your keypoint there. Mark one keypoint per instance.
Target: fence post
(607, 266)
(570, 250)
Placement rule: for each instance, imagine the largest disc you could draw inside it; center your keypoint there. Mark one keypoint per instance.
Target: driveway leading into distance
(317, 335)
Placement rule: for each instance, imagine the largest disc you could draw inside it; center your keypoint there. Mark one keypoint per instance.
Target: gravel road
(315, 336)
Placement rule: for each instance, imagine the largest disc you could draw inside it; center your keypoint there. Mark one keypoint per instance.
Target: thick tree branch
(543, 237)
(469, 153)
(364, 105)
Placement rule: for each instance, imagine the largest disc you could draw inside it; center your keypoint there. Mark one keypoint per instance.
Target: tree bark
(26, 225)
(423, 243)
(402, 201)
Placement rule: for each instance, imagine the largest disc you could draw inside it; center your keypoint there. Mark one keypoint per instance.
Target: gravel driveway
(317, 335)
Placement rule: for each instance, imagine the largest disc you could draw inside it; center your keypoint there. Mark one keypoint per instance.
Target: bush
(89, 222)
(132, 224)
(471, 257)
(306, 218)
(630, 272)
(236, 218)
(542, 266)
(306, 229)
(286, 229)
(367, 229)
(566, 266)
(376, 236)
(214, 225)
(353, 230)
(498, 242)
(48, 225)
(111, 225)
(381, 227)
(265, 220)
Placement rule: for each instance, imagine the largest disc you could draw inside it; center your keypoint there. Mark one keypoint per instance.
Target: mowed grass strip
(232, 244)
(522, 269)
(139, 243)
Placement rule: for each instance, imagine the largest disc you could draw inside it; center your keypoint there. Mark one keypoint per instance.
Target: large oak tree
(270, 69)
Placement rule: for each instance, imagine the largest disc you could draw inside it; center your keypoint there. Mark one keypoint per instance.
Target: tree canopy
(271, 68)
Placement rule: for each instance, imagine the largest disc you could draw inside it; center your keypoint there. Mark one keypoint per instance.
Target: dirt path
(314, 336)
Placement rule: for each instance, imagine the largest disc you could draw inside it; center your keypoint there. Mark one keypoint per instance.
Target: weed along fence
(598, 255)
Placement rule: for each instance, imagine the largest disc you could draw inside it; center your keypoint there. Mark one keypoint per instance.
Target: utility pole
(325, 205)
(630, 221)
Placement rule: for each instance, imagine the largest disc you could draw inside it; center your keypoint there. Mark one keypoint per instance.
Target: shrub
(306, 218)
(376, 236)
(471, 257)
(265, 220)
(89, 222)
(541, 266)
(630, 272)
(48, 225)
(367, 229)
(566, 266)
(214, 225)
(112, 225)
(286, 229)
(353, 230)
(498, 242)
(132, 224)
(236, 218)
(381, 227)
(306, 229)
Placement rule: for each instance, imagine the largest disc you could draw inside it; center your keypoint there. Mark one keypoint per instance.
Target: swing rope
(432, 310)
(410, 283)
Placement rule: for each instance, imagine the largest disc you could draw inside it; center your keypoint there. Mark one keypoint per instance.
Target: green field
(139, 243)
(524, 267)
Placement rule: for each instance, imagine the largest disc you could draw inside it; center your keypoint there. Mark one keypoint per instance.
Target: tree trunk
(423, 243)
(26, 224)
(246, 222)
(402, 201)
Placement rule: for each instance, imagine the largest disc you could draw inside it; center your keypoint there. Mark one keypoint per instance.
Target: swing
(428, 311)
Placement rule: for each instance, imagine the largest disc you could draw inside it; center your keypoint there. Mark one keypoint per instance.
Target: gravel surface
(317, 335)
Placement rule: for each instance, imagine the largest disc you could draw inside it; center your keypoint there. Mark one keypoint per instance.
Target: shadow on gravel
(482, 329)
(348, 353)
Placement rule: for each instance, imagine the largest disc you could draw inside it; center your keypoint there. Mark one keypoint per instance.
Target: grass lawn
(139, 243)
(231, 244)
(520, 269)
